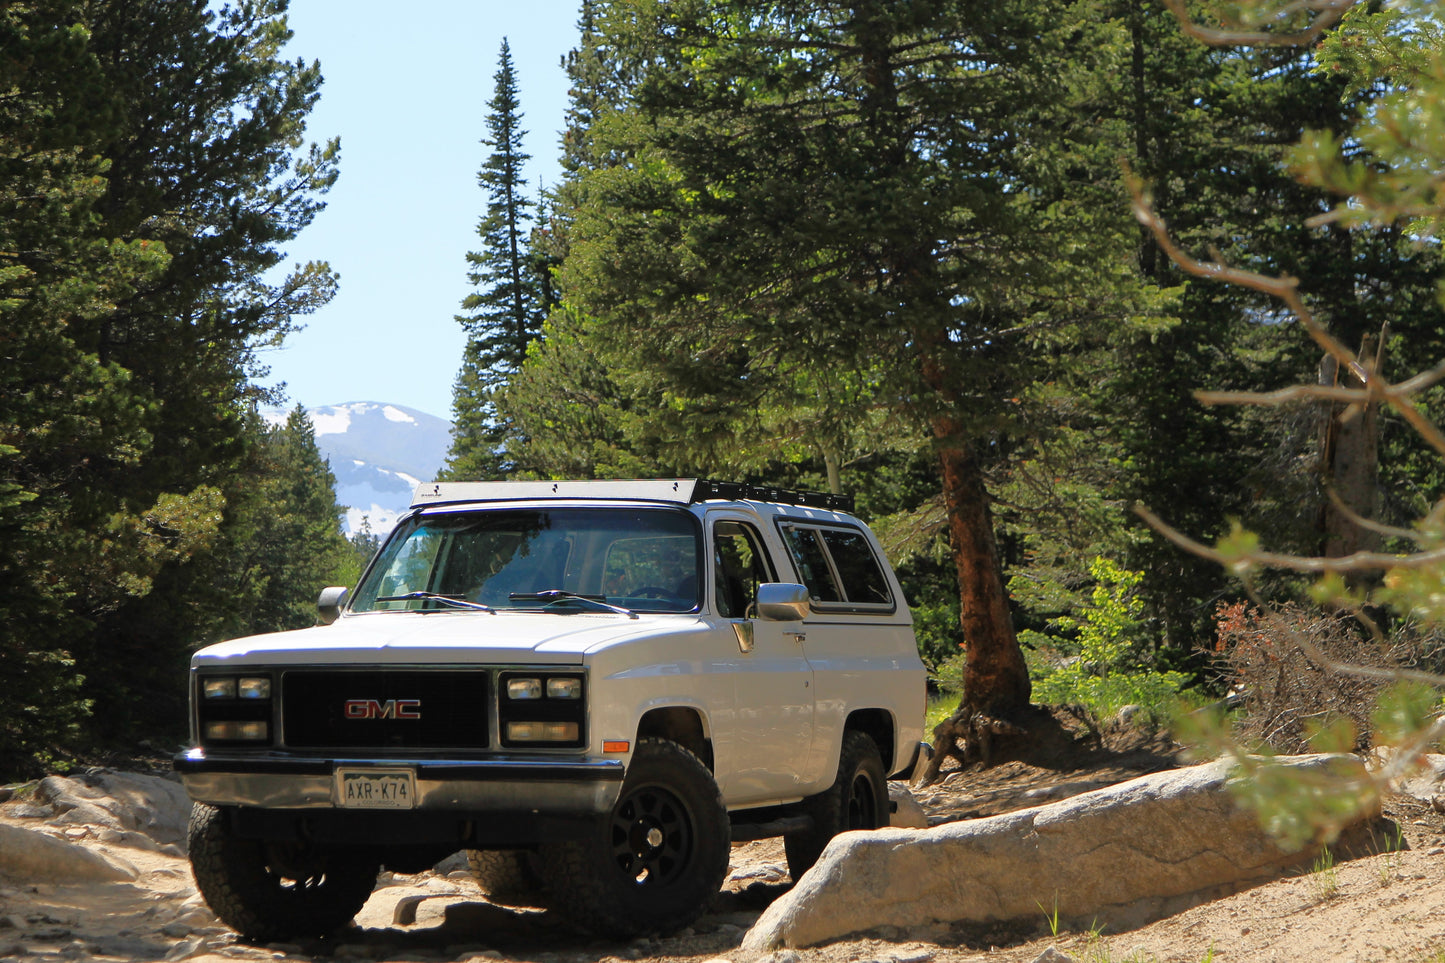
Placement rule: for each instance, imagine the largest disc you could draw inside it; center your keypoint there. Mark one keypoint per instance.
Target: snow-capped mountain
(379, 453)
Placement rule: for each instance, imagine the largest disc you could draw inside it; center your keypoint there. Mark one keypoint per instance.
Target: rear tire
(267, 890)
(655, 862)
(858, 799)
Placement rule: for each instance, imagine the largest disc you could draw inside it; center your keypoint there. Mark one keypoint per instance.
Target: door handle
(797, 636)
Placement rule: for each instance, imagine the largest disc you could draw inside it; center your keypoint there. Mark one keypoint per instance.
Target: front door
(772, 678)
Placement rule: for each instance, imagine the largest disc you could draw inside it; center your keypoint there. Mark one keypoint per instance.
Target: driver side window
(740, 565)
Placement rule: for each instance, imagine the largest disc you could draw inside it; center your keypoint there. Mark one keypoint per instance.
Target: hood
(444, 637)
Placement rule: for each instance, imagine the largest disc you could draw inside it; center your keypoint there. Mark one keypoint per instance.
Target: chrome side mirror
(329, 605)
(783, 602)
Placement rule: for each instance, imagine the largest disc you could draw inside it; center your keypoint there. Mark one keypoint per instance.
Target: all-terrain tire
(511, 877)
(858, 799)
(656, 861)
(269, 891)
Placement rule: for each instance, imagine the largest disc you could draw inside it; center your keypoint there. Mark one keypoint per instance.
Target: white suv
(609, 680)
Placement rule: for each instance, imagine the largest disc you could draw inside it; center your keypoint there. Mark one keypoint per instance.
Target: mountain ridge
(379, 452)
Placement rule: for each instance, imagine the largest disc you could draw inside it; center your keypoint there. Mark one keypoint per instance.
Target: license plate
(376, 788)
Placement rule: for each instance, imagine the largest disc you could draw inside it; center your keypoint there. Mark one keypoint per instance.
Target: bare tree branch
(1240, 562)
(1325, 13)
(1286, 289)
(1389, 531)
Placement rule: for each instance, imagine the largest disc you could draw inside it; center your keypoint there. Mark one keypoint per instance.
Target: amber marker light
(616, 746)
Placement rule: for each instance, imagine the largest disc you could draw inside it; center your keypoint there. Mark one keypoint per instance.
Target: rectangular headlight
(219, 688)
(518, 689)
(564, 687)
(257, 688)
(542, 732)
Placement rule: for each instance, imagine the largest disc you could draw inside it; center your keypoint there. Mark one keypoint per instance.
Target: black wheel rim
(294, 868)
(862, 805)
(651, 836)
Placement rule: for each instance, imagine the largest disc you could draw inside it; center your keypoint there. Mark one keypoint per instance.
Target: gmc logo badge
(390, 709)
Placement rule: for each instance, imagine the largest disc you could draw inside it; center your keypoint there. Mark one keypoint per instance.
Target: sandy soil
(1383, 907)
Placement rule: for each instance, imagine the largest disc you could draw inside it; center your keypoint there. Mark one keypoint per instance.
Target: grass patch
(1324, 878)
(940, 707)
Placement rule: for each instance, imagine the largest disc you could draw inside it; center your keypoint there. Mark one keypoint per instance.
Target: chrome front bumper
(542, 786)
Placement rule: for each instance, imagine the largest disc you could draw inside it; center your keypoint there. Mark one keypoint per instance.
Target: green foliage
(806, 237)
(1324, 878)
(1387, 61)
(151, 165)
(1389, 56)
(278, 544)
(363, 545)
(1296, 807)
(512, 296)
(1098, 656)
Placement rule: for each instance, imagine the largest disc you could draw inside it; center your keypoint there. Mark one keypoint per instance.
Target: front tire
(858, 799)
(509, 877)
(268, 890)
(656, 861)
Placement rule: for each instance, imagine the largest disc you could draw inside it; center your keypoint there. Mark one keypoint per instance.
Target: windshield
(640, 559)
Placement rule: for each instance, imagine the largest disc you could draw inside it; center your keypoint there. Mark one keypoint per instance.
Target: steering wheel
(654, 592)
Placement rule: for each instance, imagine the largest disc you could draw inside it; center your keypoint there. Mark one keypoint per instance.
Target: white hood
(445, 638)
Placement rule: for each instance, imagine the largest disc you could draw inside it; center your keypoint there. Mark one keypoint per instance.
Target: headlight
(564, 687)
(539, 707)
(253, 688)
(219, 688)
(518, 689)
(234, 709)
(258, 687)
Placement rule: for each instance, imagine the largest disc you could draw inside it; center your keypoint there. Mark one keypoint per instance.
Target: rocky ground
(1384, 907)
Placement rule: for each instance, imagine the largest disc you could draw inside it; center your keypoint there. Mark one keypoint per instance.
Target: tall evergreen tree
(280, 543)
(507, 309)
(904, 198)
(155, 164)
(61, 407)
(1194, 124)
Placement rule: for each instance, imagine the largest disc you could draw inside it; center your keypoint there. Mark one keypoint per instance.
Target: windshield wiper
(454, 600)
(556, 596)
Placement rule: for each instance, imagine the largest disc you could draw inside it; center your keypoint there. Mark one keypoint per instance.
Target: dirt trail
(1387, 907)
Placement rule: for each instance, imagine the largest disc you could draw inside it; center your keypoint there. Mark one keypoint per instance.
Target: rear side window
(857, 568)
(838, 566)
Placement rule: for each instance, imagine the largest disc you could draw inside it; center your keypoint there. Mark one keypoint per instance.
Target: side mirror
(783, 602)
(329, 605)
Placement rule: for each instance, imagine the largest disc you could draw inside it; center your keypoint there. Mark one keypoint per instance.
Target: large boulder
(128, 803)
(34, 857)
(1120, 856)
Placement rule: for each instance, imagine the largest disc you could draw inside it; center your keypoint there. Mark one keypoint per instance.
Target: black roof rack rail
(706, 488)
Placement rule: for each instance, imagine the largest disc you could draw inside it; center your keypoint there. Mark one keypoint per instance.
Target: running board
(747, 832)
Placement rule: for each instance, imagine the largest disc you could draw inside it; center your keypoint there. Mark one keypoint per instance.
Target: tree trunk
(995, 679)
(832, 463)
(996, 688)
(1350, 461)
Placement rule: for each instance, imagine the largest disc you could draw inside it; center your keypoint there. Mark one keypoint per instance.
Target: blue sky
(407, 92)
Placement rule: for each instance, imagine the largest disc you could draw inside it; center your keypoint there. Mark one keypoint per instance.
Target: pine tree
(907, 201)
(507, 309)
(155, 161)
(280, 544)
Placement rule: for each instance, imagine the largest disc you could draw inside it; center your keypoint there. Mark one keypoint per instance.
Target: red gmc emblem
(390, 709)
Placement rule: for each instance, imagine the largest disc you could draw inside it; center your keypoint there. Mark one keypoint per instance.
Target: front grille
(385, 709)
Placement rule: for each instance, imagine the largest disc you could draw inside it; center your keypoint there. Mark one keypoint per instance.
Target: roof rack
(683, 490)
(737, 491)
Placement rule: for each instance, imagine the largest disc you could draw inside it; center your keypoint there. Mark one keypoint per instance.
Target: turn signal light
(542, 731)
(237, 731)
